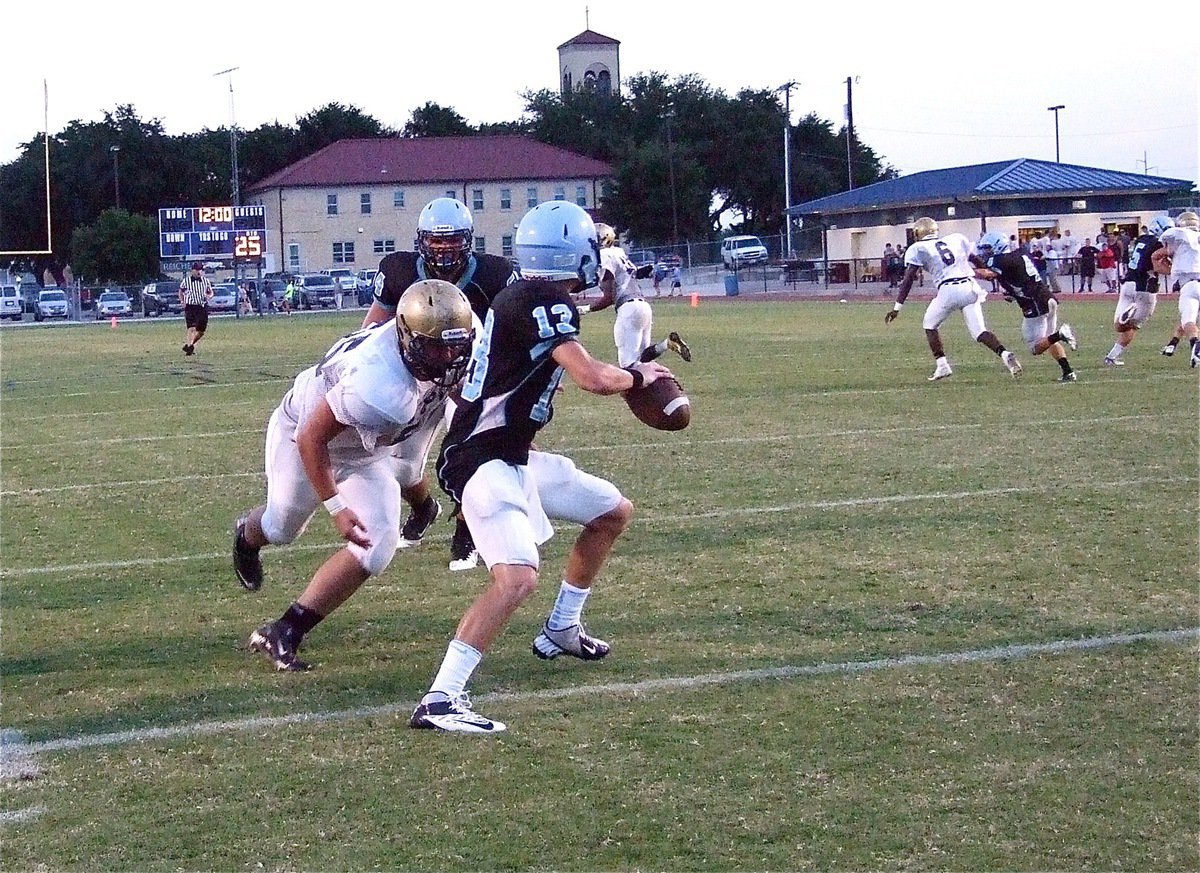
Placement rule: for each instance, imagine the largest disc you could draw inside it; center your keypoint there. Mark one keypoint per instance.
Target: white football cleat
(1010, 361)
(941, 371)
(1068, 335)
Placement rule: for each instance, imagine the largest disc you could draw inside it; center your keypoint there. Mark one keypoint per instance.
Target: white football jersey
(943, 258)
(370, 390)
(1183, 244)
(625, 284)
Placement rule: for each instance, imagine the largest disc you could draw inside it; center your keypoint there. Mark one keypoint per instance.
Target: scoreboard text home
(236, 233)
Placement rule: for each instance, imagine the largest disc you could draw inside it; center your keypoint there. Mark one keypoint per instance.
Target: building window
(506, 199)
(384, 246)
(364, 203)
(604, 83)
(293, 256)
(506, 248)
(331, 204)
(398, 198)
(580, 195)
(477, 199)
(343, 253)
(531, 197)
(480, 245)
(560, 192)
(453, 195)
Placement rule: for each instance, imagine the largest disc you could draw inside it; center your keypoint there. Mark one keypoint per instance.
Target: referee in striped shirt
(194, 293)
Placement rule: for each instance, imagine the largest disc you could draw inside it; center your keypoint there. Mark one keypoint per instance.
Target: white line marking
(96, 413)
(673, 445)
(996, 653)
(137, 439)
(885, 500)
(22, 815)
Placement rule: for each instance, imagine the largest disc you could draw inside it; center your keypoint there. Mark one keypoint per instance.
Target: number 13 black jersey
(506, 398)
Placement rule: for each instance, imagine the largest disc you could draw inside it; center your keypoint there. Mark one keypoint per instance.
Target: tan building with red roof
(355, 201)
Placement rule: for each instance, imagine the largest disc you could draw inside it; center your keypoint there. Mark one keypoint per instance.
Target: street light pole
(116, 150)
(1055, 109)
(233, 148)
(786, 88)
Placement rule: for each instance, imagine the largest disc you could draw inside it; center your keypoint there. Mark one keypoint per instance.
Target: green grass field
(860, 622)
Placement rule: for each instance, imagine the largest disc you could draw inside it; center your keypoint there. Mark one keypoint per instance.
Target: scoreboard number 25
(247, 245)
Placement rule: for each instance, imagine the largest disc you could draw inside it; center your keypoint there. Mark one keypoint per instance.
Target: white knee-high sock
(458, 665)
(568, 608)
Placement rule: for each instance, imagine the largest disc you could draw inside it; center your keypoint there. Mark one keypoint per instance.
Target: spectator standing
(1053, 264)
(1087, 264)
(194, 293)
(676, 281)
(1106, 264)
(893, 264)
(1067, 250)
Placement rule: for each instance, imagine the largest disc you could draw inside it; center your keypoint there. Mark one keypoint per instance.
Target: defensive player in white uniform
(619, 287)
(340, 437)
(1180, 256)
(948, 261)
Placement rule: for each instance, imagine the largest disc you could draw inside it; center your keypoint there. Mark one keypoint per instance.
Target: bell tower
(590, 62)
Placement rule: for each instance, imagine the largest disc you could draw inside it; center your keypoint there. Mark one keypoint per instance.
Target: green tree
(119, 247)
(333, 122)
(434, 120)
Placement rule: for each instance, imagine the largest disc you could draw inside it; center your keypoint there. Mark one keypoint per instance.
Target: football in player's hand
(1162, 266)
(661, 404)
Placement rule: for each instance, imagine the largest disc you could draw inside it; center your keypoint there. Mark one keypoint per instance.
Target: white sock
(568, 608)
(458, 665)
(1116, 351)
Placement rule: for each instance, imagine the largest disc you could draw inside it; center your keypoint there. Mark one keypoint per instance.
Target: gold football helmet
(433, 322)
(1188, 219)
(606, 235)
(924, 228)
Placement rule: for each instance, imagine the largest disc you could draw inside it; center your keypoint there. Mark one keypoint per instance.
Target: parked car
(113, 303)
(365, 282)
(224, 299)
(10, 303)
(736, 251)
(51, 303)
(315, 289)
(161, 298)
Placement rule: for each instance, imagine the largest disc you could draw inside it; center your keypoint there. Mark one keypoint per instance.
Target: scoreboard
(237, 233)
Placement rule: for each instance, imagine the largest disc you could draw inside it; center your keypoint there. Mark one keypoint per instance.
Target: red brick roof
(433, 159)
(590, 37)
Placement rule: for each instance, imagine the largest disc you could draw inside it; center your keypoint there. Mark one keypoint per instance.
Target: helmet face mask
(606, 235)
(444, 233)
(434, 327)
(924, 228)
(557, 241)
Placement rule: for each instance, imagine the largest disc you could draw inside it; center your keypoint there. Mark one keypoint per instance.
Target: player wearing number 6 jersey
(948, 261)
(509, 492)
(340, 437)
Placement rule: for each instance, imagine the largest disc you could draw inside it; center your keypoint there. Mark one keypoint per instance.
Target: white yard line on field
(675, 683)
(674, 445)
(123, 440)
(800, 506)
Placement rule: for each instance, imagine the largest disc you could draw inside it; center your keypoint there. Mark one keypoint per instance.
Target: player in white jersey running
(950, 262)
(341, 437)
(619, 287)
(1180, 257)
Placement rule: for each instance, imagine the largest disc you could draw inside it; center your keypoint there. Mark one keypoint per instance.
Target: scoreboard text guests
(212, 233)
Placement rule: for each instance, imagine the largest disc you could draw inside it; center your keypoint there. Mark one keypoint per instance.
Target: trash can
(731, 286)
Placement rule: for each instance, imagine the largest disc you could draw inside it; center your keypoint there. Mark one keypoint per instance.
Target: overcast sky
(932, 88)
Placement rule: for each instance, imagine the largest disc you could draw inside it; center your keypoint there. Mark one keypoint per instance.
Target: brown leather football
(661, 404)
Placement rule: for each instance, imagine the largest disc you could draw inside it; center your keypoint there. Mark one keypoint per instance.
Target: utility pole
(849, 133)
(233, 147)
(786, 88)
(116, 150)
(1055, 109)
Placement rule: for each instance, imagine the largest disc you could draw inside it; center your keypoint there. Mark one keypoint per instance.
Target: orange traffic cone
(695, 300)
(114, 321)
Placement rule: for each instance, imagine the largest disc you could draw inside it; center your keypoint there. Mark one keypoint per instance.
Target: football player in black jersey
(1139, 291)
(1020, 280)
(445, 230)
(508, 490)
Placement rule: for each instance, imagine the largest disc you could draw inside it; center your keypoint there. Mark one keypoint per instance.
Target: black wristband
(638, 378)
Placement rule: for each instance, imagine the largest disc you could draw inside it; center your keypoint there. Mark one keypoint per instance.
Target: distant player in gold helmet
(950, 261)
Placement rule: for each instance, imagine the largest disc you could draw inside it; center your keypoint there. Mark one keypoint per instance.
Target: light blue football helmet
(996, 242)
(1161, 224)
(557, 240)
(444, 232)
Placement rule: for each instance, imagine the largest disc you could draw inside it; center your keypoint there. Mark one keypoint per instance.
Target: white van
(10, 303)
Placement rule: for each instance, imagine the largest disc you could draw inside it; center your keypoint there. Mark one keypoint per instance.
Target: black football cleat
(274, 641)
(246, 563)
(573, 641)
(418, 523)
